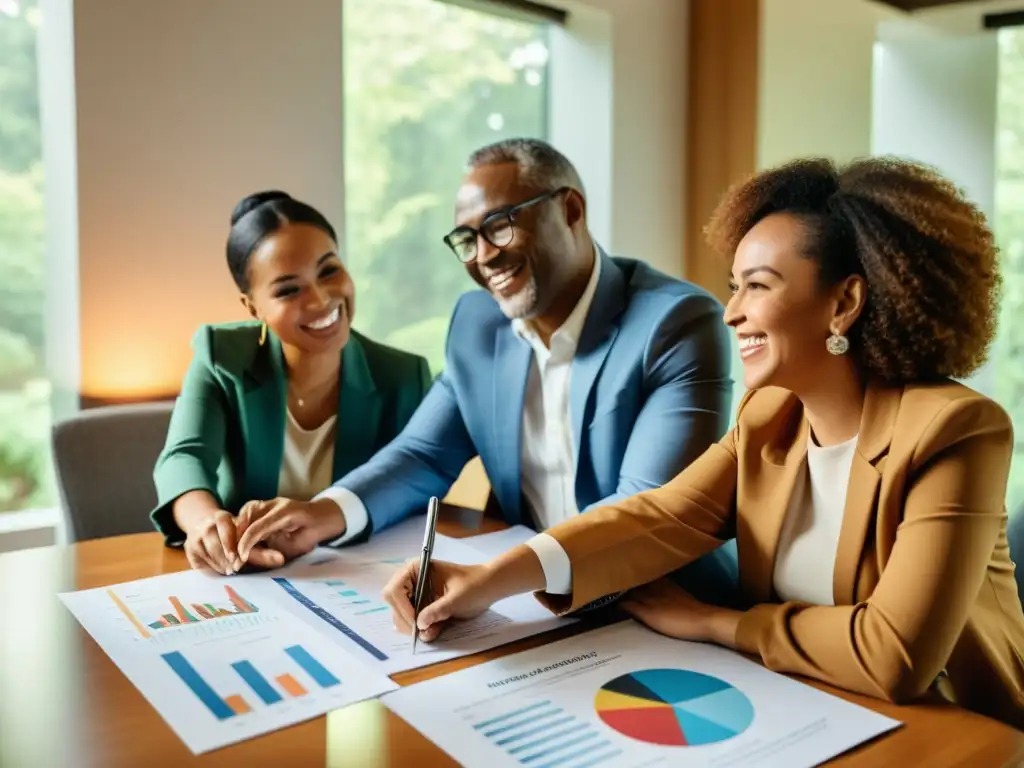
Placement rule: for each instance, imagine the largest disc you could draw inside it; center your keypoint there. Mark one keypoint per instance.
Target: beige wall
(815, 78)
(618, 108)
(649, 83)
(182, 108)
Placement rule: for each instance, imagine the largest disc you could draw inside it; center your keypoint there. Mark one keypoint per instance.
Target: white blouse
(308, 459)
(806, 556)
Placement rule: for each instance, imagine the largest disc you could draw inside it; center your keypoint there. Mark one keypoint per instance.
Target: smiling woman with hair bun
(284, 404)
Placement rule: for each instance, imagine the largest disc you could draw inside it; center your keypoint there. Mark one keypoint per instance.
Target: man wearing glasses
(578, 378)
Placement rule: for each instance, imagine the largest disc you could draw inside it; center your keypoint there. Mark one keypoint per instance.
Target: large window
(1008, 354)
(24, 392)
(425, 83)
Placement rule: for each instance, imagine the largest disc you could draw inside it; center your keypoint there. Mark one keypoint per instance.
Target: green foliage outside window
(25, 475)
(1008, 353)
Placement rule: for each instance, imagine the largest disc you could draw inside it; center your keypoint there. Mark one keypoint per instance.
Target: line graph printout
(341, 590)
(219, 658)
(625, 697)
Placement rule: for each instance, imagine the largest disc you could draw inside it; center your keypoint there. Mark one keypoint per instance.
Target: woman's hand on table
(670, 610)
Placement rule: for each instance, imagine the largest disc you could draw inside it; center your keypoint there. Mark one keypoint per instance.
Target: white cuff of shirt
(554, 562)
(356, 516)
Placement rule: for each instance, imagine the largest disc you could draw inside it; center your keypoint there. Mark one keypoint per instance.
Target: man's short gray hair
(540, 165)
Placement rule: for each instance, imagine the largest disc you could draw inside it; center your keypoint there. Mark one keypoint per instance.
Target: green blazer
(226, 434)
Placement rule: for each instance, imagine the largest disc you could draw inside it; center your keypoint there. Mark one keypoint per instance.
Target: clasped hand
(265, 534)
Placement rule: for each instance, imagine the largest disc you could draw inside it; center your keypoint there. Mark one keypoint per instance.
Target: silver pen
(423, 580)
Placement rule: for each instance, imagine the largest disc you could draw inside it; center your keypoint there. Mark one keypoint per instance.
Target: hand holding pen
(427, 553)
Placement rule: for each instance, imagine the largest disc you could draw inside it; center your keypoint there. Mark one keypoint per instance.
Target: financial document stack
(224, 659)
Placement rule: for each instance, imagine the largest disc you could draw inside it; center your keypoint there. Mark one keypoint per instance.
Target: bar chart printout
(216, 696)
(268, 690)
(236, 665)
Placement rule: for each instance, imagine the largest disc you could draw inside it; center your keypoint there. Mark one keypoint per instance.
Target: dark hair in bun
(259, 215)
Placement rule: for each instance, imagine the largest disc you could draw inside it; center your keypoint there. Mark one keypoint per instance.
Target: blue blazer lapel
(263, 413)
(359, 410)
(599, 332)
(512, 360)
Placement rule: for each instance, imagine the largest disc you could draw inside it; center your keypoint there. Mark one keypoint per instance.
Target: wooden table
(64, 703)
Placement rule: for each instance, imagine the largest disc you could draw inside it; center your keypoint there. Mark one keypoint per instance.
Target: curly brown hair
(926, 253)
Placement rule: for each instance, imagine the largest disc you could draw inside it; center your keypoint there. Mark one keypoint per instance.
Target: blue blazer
(650, 391)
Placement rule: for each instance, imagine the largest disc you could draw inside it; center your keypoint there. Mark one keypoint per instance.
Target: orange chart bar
(237, 704)
(238, 601)
(291, 685)
(183, 616)
(127, 612)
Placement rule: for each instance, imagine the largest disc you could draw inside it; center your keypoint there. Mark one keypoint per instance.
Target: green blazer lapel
(263, 413)
(359, 410)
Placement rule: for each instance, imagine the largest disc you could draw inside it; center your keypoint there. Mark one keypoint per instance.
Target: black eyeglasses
(497, 229)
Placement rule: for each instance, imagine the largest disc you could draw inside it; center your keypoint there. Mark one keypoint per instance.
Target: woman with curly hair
(865, 487)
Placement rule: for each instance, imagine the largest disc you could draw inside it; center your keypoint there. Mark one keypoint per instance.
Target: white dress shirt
(806, 556)
(548, 460)
(548, 456)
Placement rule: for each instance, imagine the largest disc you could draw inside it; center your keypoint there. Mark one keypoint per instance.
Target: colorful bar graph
(315, 669)
(242, 605)
(217, 706)
(182, 615)
(291, 685)
(237, 704)
(257, 682)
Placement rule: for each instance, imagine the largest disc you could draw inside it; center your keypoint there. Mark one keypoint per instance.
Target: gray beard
(521, 306)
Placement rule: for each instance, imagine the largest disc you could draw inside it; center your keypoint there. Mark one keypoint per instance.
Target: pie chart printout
(673, 707)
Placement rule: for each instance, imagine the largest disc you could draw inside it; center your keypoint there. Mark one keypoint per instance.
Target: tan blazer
(923, 581)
